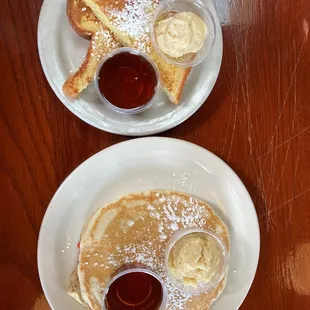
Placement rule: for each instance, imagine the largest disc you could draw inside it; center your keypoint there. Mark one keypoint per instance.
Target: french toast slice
(102, 41)
(130, 21)
(82, 19)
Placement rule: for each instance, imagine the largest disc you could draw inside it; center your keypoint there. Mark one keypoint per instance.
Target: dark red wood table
(257, 119)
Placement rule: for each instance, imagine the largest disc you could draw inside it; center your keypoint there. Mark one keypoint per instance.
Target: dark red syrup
(136, 290)
(127, 80)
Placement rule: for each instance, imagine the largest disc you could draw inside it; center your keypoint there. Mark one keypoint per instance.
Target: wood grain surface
(257, 119)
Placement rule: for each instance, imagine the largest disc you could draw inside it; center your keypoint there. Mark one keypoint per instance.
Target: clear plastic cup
(106, 101)
(194, 6)
(164, 302)
(220, 270)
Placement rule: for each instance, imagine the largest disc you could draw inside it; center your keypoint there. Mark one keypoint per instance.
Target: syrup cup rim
(106, 101)
(164, 302)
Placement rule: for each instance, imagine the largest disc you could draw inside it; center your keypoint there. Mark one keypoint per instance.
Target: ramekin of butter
(196, 260)
(183, 31)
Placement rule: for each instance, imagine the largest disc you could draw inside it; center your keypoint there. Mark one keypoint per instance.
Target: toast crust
(102, 41)
(81, 19)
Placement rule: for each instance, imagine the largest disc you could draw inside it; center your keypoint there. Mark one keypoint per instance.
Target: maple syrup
(127, 80)
(135, 290)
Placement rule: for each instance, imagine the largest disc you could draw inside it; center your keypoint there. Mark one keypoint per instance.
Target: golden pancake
(136, 229)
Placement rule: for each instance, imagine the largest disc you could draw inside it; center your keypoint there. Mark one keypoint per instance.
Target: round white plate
(137, 165)
(61, 52)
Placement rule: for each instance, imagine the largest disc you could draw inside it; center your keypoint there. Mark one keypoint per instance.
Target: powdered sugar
(102, 42)
(134, 19)
(174, 226)
(130, 223)
(162, 235)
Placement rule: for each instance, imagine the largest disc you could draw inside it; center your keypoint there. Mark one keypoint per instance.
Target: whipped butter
(193, 259)
(181, 34)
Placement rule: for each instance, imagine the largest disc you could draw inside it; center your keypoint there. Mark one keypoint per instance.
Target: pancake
(136, 229)
(74, 289)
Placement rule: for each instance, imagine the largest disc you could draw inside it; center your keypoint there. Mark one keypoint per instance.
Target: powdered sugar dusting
(102, 42)
(145, 241)
(134, 19)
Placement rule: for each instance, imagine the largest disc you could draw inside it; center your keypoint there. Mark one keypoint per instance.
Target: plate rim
(61, 97)
(141, 140)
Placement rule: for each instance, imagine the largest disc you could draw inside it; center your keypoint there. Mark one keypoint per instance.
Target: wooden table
(257, 119)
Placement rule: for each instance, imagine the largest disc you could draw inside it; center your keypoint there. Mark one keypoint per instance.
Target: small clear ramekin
(220, 271)
(106, 101)
(194, 6)
(164, 302)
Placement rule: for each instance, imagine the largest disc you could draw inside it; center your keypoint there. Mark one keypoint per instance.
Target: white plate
(138, 165)
(61, 51)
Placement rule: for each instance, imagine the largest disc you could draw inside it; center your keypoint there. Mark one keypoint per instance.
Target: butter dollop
(180, 34)
(193, 259)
